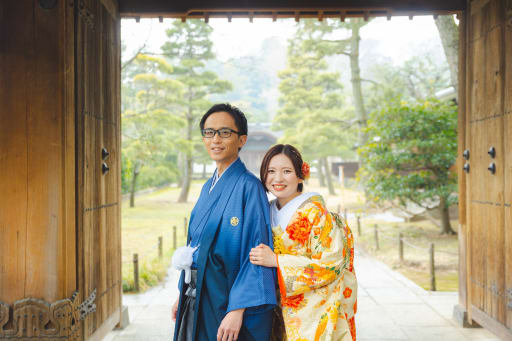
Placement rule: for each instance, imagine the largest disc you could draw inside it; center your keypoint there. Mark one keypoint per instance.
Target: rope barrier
(431, 250)
(448, 252)
(386, 237)
(414, 246)
(382, 235)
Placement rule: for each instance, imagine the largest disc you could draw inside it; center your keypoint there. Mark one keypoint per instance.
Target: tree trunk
(187, 179)
(181, 168)
(449, 33)
(187, 170)
(135, 175)
(355, 72)
(320, 171)
(328, 176)
(204, 171)
(446, 227)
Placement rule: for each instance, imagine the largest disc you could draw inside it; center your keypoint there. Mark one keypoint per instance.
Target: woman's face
(281, 179)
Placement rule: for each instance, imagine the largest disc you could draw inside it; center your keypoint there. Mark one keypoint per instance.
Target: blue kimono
(229, 221)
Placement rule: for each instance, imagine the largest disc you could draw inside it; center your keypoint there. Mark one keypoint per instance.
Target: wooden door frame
(460, 311)
(465, 312)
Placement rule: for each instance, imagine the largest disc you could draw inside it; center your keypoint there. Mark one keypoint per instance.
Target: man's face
(223, 150)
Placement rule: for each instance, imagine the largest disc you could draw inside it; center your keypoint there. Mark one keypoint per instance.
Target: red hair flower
(305, 170)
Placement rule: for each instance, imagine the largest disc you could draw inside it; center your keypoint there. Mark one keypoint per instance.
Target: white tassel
(183, 259)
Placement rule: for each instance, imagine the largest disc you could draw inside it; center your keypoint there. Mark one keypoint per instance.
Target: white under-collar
(216, 176)
(283, 216)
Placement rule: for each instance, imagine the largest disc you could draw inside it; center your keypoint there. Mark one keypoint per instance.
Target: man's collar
(216, 176)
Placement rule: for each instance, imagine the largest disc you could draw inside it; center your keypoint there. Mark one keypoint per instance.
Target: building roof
(285, 8)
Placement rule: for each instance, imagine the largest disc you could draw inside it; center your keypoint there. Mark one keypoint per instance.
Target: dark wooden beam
(286, 8)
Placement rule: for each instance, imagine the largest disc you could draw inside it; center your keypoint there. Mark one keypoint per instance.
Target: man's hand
(174, 309)
(230, 326)
(263, 255)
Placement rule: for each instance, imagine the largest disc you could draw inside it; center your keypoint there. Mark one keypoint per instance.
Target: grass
(416, 259)
(156, 213)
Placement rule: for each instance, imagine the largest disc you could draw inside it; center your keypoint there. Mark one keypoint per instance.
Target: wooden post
(432, 268)
(359, 225)
(160, 247)
(346, 215)
(376, 234)
(185, 228)
(341, 176)
(174, 237)
(400, 248)
(136, 271)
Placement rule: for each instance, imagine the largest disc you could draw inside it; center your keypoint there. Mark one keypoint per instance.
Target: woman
(313, 254)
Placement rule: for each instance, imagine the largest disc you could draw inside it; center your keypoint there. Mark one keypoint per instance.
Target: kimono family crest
(234, 221)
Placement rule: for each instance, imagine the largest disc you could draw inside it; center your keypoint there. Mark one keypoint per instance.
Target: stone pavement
(391, 307)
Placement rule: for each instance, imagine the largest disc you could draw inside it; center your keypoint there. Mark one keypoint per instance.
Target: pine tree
(187, 48)
(147, 116)
(312, 112)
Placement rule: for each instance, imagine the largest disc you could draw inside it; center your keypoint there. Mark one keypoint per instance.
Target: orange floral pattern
(347, 292)
(316, 276)
(300, 229)
(292, 301)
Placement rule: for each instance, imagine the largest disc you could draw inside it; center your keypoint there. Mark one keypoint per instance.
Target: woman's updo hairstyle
(292, 153)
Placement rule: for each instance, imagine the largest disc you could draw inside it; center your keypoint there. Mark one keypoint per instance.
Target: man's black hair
(237, 114)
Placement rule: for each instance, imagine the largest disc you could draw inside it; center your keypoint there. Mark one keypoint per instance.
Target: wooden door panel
(488, 124)
(508, 167)
(99, 225)
(493, 72)
(112, 161)
(508, 255)
(37, 223)
(13, 149)
(494, 14)
(477, 24)
(476, 255)
(476, 79)
(486, 216)
(113, 236)
(90, 162)
(508, 67)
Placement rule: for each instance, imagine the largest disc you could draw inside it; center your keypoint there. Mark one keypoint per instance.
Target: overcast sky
(399, 38)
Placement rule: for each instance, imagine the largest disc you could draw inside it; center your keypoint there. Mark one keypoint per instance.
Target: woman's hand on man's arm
(263, 255)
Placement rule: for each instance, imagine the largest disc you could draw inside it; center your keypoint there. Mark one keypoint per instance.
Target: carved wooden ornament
(32, 318)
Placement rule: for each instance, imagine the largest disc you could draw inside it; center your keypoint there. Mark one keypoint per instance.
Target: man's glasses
(223, 132)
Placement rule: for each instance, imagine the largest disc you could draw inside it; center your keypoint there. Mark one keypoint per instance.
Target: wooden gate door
(98, 162)
(486, 135)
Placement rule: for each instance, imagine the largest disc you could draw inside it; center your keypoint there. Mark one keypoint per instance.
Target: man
(228, 298)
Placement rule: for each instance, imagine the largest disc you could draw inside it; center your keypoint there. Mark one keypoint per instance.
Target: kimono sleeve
(254, 285)
(326, 256)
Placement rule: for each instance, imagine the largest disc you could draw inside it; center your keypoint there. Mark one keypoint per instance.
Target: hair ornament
(305, 170)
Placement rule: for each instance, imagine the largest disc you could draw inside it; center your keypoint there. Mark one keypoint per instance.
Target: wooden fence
(400, 241)
(160, 246)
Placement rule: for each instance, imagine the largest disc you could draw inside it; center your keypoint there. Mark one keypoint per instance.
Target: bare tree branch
(129, 61)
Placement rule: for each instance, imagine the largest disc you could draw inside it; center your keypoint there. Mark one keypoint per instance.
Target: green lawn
(156, 213)
(416, 258)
